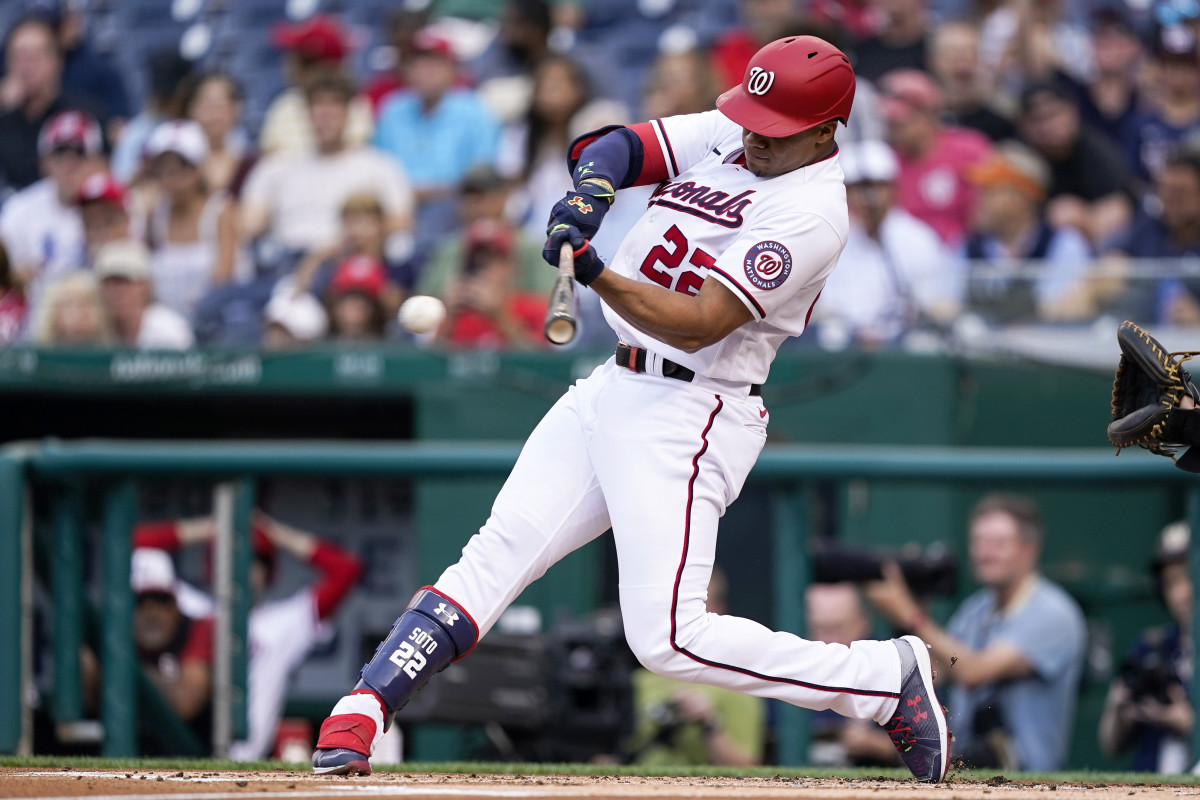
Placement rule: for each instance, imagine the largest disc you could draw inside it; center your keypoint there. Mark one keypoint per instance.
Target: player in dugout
(281, 631)
(726, 262)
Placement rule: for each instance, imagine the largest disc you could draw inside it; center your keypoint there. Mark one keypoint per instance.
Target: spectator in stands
(484, 195)
(1013, 649)
(1142, 292)
(174, 650)
(214, 101)
(484, 307)
(124, 271)
(403, 24)
(104, 208)
(679, 83)
(954, 62)
(191, 230)
(281, 632)
(898, 43)
(1009, 233)
(934, 158)
(1089, 183)
(296, 198)
(169, 73)
(505, 69)
(313, 47)
(437, 132)
(762, 21)
(355, 300)
(894, 273)
(530, 151)
(13, 308)
(86, 74)
(71, 314)
(834, 614)
(1148, 706)
(31, 93)
(363, 234)
(293, 319)
(1109, 100)
(1025, 40)
(1170, 114)
(41, 225)
(678, 723)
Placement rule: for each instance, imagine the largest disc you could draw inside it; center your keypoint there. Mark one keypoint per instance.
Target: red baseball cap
(70, 129)
(428, 43)
(359, 274)
(318, 38)
(905, 90)
(100, 187)
(489, 234)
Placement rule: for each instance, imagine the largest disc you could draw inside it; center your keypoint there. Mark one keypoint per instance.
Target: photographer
(1148, 706)
(1013, 649)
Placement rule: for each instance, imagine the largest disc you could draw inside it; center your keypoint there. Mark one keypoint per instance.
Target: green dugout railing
(116, 467)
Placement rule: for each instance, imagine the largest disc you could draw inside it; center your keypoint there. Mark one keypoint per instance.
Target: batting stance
(748, 220)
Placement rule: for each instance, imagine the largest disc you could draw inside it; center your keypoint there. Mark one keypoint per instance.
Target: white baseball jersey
(770, 241)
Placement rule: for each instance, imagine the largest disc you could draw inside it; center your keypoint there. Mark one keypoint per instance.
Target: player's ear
(826, 130)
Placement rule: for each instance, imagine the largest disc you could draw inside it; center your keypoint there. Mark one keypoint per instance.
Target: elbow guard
(613, 154)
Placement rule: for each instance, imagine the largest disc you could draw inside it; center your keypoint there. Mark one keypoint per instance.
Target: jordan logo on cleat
(442, 611)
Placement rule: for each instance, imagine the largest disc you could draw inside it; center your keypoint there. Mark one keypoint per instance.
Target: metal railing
(116, 468)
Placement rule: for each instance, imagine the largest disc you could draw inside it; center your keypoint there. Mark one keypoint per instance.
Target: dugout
(1096, 545)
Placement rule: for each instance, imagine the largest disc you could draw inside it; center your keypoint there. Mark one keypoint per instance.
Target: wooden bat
(560, 315)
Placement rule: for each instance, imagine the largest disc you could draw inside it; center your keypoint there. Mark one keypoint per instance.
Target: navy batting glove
(588, 265)
(584, 207)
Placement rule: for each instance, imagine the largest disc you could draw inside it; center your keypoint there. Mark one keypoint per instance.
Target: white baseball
(421, 313)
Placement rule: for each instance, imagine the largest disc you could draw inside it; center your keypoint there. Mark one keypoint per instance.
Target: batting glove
(584, 207)
(588, 265)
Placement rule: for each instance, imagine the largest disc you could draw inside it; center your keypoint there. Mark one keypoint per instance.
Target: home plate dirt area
(198, 785)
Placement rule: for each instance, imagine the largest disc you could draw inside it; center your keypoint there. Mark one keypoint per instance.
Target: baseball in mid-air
(421, 313)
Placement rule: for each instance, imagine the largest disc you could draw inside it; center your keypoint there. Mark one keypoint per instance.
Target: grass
(501, 768)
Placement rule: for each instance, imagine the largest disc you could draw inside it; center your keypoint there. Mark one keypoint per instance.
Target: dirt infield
(192, 785)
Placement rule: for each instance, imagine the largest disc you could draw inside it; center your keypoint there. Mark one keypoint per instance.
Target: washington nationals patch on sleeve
(768, 264)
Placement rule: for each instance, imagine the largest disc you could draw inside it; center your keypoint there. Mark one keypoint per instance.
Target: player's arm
(681, 320)
(619, 156)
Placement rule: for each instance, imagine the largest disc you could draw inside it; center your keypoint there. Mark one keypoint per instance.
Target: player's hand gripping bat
(560, 315)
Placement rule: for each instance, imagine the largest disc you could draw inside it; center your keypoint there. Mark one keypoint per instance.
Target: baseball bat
(560, 315)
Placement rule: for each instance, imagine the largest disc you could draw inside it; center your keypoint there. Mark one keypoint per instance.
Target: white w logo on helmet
(760, 81)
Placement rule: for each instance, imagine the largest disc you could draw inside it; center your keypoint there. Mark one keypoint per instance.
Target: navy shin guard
(432, 632)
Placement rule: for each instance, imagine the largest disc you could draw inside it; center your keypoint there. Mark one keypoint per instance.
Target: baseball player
(748, 219)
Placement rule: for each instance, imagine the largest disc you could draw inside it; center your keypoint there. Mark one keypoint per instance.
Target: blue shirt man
(1036, 712)
(1013, 650)
(437, 131)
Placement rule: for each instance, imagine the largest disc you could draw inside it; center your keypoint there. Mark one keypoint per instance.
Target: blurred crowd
(1008, 162)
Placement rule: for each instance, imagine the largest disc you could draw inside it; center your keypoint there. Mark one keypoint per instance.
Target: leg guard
(432, 632)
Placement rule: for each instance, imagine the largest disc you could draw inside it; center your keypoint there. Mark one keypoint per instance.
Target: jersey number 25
(688, 282)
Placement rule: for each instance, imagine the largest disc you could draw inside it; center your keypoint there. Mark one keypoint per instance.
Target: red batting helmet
(791, 85)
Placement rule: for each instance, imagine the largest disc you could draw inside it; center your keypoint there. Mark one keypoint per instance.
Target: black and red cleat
(918, 728)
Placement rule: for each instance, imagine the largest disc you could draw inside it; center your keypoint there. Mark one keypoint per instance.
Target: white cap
(301, 315)
(870, 160)
(151, 571)
(124, 258)
(183, 137)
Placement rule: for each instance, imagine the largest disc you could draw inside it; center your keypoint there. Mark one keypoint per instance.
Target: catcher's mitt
(1147, 389)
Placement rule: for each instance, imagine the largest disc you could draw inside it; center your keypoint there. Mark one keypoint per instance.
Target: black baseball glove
(1148, 387)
